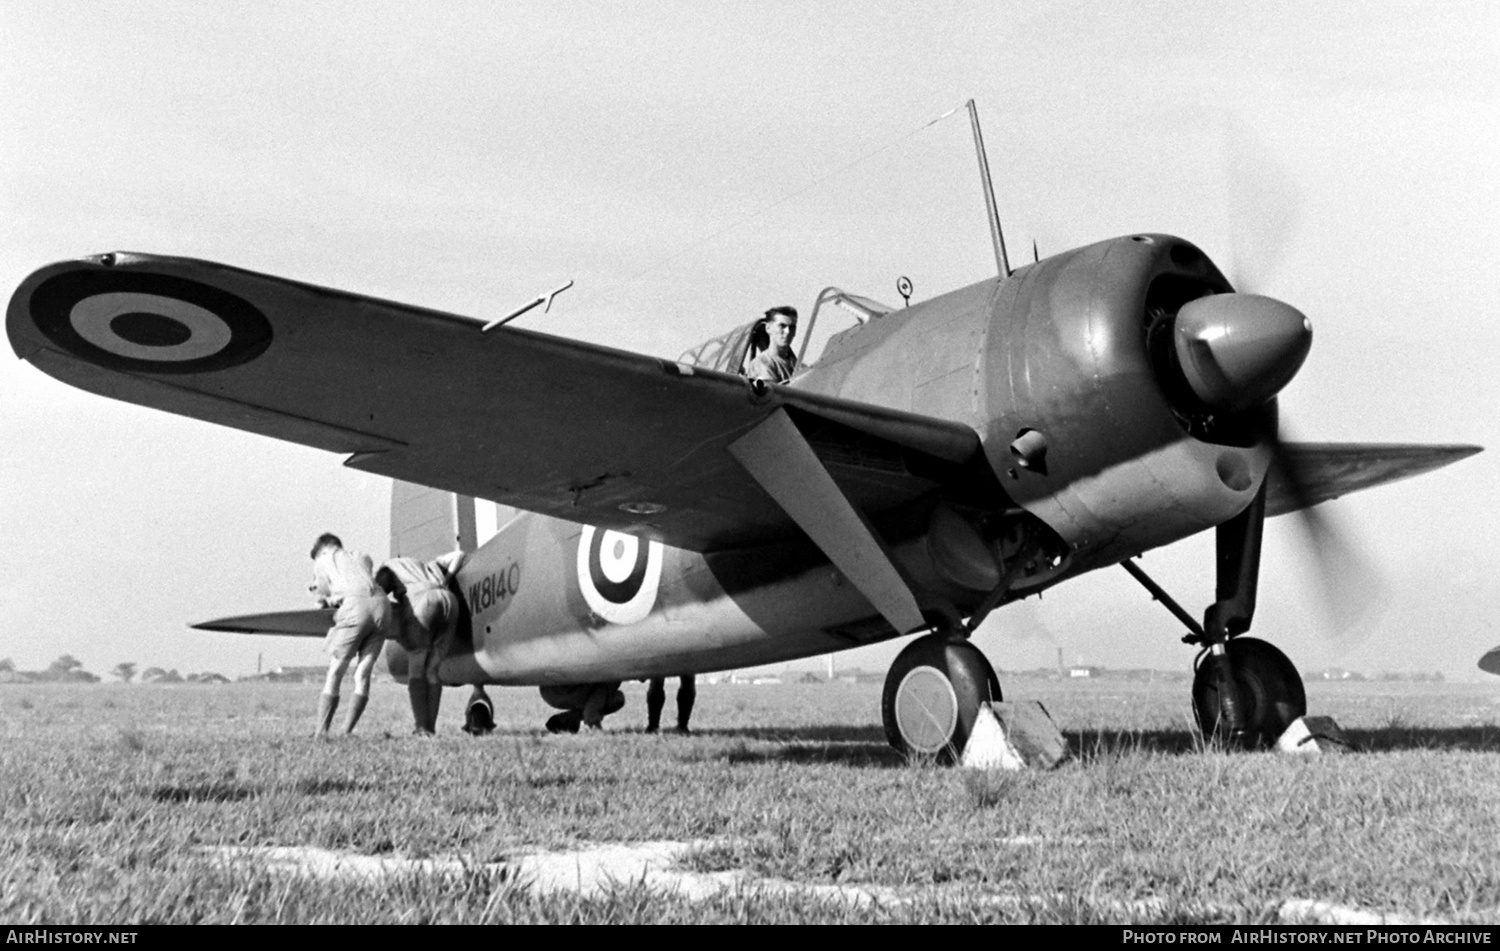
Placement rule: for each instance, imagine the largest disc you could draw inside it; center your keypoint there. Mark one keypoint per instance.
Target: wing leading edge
(568, 429)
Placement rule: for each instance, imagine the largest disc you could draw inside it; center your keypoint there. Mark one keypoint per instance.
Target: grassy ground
(113, 798)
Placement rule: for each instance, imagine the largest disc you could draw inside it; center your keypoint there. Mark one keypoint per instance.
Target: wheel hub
(926, 709)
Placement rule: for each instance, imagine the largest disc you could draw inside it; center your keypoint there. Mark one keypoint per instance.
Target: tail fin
(426, 523)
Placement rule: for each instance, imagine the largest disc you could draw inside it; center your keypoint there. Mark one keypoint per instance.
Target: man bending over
(363, 619)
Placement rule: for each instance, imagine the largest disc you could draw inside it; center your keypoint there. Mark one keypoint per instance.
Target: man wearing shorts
(362, 620)
(427, 619)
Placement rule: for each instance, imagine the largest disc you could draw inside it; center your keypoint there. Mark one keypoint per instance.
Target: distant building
(291, 675)
(1339, 673)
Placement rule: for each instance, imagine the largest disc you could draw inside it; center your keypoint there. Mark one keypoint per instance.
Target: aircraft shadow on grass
(867, 746)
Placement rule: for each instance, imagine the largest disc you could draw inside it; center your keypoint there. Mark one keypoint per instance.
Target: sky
(688, 165)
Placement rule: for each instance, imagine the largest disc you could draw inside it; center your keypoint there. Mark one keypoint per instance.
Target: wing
(314, 622)
(1329, 470)
(568, 429)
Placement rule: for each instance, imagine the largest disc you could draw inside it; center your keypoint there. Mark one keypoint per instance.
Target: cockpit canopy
(728, 353)
(733, 352)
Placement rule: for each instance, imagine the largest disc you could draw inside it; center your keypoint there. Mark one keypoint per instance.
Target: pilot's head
(326, 540)
(781, 326)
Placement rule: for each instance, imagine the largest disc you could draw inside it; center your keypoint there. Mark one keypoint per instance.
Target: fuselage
(1063, 349)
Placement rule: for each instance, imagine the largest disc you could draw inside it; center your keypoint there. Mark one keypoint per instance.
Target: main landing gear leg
(1226, 721)
(932, 695)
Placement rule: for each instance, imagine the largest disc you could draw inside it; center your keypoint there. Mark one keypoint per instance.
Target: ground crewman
(363, 619)
(656, 698)
(583, 705)
(427, 612)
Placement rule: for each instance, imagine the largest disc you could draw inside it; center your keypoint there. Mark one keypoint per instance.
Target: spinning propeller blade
(1264, 204)
(1352, 591)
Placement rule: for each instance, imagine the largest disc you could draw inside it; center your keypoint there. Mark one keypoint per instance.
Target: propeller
(1263, 203)
(1255, 346)
(1352, 591)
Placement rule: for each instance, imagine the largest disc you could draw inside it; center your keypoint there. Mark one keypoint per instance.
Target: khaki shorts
(429, 620)
(359, 627)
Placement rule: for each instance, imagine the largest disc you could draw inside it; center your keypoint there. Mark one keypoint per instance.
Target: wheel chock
(1014, 735)
(1314, 735)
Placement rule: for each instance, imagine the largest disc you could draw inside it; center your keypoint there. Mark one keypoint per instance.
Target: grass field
(119, 803)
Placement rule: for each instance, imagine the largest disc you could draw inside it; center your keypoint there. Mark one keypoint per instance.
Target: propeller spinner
(1237, 351)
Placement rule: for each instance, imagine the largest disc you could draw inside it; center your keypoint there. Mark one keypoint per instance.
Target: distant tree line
(66, 669)
(69, 669)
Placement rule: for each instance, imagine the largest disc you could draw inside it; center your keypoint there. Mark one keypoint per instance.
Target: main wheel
(932, 696)
(1270, 691)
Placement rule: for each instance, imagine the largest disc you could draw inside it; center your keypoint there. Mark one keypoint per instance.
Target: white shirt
(340, 574)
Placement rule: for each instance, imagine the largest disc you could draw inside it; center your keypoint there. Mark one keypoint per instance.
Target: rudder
(426, 523)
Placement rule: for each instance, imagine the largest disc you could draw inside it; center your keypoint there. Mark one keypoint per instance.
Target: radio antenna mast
(997, 237)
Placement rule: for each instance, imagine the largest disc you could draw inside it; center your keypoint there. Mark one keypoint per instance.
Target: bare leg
(364, 669)
(336, 668)
(329, 701)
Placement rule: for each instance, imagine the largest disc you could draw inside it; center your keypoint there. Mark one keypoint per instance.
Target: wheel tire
(479, 717)
(1270, 691)
(932, 696)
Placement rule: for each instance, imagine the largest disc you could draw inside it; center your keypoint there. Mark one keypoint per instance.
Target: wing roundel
(590, 434)
(143, 322)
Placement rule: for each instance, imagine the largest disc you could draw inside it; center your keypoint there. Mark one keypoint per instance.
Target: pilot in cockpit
(771, 357)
